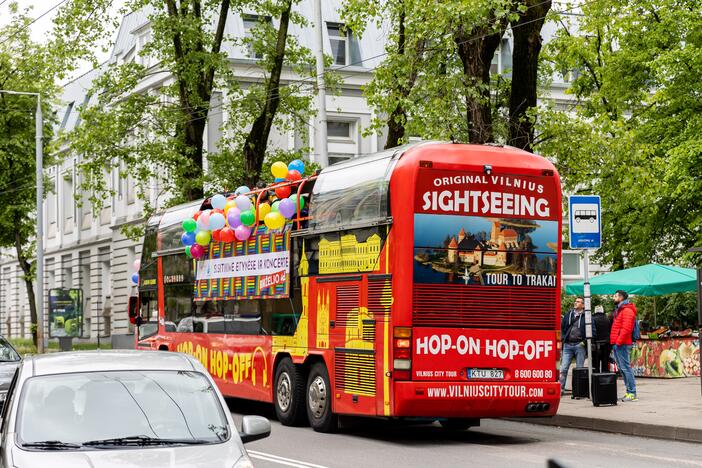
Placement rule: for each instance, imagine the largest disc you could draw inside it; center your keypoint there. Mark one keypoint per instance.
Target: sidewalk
(667, 409)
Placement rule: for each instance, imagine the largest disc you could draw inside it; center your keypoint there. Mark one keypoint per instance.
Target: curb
(681, 434)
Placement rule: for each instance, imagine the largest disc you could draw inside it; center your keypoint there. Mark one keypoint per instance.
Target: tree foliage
(436, 81)
(635, 136)
(156, 134)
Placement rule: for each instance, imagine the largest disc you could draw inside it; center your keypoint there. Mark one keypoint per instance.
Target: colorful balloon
(216, 236)
(297, 165)
(234, 217)
(136, 264)
(135, 278)
(217, 221)
(263, 210)
(242, 232)
(276, 206)
(197, 215)
(243, 202)
(280, 179)
(294, 199)
(187, 238)
(218, 201)
(189, 225)
(279, 169)
(203, 238)
(283, 192)
(294, 175)
(242, 189)
(248, 218)
(230, 204)
(226, 234)
(187, 251)
(197, 251)
(203, 222)
(274, 220)
(287, 208)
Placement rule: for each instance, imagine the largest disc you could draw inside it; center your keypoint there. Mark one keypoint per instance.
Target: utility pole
(321, 127)
(39, 266)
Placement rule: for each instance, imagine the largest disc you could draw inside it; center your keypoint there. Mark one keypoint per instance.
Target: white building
(87, 250)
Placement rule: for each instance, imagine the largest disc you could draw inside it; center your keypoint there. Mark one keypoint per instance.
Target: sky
(42, 28)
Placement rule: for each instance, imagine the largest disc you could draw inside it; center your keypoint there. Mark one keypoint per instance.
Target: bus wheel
(289, 395)
(319, 400)
(458, 424)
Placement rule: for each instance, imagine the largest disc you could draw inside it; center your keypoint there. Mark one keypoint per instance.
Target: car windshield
(105, 406)
(7, 352)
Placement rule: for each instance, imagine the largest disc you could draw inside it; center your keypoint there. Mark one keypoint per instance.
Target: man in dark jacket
(621, 340)
(600, 346)
(573, 336)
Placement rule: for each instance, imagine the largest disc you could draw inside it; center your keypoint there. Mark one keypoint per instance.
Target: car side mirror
(254, 428)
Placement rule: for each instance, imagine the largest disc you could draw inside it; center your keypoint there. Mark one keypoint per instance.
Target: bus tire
(289, 394)
(319, 400)
(458, 424)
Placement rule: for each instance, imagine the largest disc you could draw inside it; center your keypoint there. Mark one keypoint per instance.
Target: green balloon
(294, 199)
(187, 251)
(189, 225)
(248, 218)
(274, 207)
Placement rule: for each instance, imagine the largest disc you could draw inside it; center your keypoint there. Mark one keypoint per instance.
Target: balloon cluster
(234, 217)
(135, 276)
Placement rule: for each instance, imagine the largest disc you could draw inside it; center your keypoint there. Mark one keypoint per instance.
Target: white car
(120, 408)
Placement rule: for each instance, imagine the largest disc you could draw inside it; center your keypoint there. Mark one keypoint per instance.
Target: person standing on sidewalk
(573, 335)
(621, 340)
(600, 346)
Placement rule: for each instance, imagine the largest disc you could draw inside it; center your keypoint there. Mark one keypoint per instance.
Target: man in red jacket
(621, 339)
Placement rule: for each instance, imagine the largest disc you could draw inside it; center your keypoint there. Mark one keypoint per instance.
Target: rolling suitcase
(604, 388)
(579, 383)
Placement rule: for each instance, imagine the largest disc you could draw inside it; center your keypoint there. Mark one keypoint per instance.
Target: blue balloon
(216, 221)
(297, 165)
(279, 179)
(243, 189)
(135, 278)
(218, 201)
(187, 238)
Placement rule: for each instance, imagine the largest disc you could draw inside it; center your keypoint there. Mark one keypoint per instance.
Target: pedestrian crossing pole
(588, 319)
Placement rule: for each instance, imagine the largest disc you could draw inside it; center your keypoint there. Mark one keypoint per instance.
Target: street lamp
(39, 295)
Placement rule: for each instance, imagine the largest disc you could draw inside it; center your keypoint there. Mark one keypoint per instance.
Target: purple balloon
(242, 232)
(233, 217)
(287, 208)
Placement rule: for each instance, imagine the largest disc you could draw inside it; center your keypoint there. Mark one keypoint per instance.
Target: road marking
(282, 460)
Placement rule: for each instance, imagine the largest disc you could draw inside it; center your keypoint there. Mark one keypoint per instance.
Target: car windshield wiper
(51, 444)
(144, 440)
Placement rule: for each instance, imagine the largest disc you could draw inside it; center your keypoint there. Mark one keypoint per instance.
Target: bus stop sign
(585, 227)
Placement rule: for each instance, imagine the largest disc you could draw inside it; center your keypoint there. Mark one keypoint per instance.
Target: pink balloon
(242, 232)
(233, 217)
(203, 221)
(197, 251)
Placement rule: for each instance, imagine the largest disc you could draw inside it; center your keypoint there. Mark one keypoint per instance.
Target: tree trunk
(525, 61)
(476, 49)
(257, 139)
(28, 276)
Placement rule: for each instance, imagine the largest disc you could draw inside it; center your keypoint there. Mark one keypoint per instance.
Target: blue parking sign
(585, 226)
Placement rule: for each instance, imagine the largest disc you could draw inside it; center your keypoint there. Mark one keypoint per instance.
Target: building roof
(107, 360)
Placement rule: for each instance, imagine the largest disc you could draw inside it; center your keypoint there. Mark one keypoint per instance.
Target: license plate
(496, 374)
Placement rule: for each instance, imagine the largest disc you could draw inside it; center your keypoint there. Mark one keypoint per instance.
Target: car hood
(197, 456)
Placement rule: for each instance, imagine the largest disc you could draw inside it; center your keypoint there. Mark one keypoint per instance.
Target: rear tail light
(558, 340)
(402, 353)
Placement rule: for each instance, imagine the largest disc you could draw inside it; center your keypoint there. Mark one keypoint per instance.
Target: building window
(572, 264)
(339, 130)
(143, 38)
(250, 23)
(68, 201)
(339, 40)
(337, 158)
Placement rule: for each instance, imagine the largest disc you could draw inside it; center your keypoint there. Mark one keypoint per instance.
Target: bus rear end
(476, 283)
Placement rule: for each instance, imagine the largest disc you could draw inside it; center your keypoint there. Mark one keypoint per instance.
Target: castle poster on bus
(476, 250)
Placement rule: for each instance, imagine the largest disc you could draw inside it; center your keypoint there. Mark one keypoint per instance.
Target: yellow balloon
(279, 169)
(274, 220)
(230, 204)
(263, 210)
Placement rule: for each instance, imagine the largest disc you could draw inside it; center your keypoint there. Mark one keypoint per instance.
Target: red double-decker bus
(419, 282)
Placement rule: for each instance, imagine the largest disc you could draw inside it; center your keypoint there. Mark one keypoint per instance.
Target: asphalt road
(376, 443)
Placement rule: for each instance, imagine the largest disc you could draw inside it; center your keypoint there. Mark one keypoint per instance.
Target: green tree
(635, 136)
(158, 134)
(27, 67)
(436, 81)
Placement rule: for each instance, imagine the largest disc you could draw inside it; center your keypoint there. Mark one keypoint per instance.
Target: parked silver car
(9, 360)
(120, 408)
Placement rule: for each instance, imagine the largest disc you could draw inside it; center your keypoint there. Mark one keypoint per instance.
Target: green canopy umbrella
(647, 280)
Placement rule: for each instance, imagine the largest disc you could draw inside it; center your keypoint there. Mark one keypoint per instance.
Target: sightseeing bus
(418, 282)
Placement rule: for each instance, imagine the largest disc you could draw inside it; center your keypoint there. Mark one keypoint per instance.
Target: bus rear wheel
(319, 400)
(289, 394)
